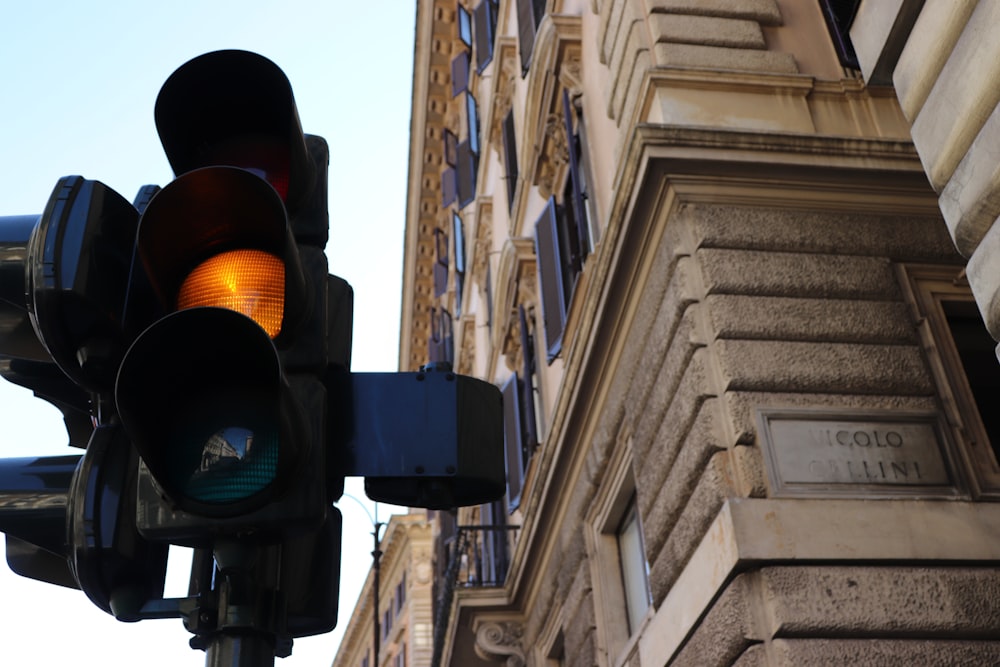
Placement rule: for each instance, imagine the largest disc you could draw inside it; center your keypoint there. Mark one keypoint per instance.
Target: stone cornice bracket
(501, 641)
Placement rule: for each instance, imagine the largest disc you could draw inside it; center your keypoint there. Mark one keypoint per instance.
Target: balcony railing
(485, 555)
(478, 557)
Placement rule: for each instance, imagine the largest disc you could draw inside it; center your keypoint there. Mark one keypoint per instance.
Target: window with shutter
(460, 73)
(484, 21)
(441, 343)
(529, 16)
(464, 25)
(458, 233)
(449, 187)
(528, 369)
(472, 115)
(525, 32)
(441, 262)
(548, 254)
(575, 198)
(450, 148)
(510, 157)
(513, 440)
(468, 163)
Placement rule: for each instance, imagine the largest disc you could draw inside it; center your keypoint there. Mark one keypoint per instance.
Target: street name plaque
(853, 453)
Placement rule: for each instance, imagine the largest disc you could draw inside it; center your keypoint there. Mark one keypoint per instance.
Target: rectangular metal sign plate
(821, 453)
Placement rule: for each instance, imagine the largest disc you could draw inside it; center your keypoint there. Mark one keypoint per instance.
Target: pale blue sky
(78, 81)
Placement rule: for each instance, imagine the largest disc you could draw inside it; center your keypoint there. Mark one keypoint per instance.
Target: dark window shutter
(441, 344)
(512, 438)
(530, 440)
(483, 21)
(578, 191)
(466, 174)
(441, 263)
(489, 296)
(472, 114)
(458, 230)
(450, 148)
(510, 157)
(525, 32)
(550, 275)
(460, 73)
(449, 187)
(458, 233)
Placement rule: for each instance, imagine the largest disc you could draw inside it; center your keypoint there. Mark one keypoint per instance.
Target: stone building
(404, 609)
(747, 387)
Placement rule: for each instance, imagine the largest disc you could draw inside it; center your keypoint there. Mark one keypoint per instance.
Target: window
(458, 232)
(484, 21)
(509, 157)
(441, 343)
(400, 659)
(468, 165)
(493, 560)
(449, 176)
(529, 15)
(563, 236)
(615, 549)
(441, 262)
(963, 360)
(400, 593)
(839, 15)
(460, 73)
(520, 410)
(364, 661)
(464, 26)
(634, 570)
(386, 623)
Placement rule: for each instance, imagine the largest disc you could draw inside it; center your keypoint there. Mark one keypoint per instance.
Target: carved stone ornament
(554, 155)
(483, 243)
(467, 356)
(501, 642)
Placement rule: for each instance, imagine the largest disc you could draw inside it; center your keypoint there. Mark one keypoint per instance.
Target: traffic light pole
(239, 650)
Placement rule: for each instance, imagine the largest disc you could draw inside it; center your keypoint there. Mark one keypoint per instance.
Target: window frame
(615, 495)
(927, 288)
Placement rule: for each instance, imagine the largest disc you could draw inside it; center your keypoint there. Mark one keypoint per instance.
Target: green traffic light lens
(236, 463)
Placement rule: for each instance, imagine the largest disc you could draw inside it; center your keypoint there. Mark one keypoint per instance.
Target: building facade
(714, 272)
(404, 609)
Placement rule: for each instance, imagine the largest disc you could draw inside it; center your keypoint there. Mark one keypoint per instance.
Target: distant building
(750, 402)
(405, 575)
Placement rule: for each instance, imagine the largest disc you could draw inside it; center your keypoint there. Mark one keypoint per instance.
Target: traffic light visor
(219, 236)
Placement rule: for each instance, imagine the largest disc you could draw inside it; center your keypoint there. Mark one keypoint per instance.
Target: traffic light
(237, 327)
(222, 392)
(70, 520)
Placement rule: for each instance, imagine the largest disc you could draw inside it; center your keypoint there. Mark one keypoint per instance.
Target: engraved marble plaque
(857, 453)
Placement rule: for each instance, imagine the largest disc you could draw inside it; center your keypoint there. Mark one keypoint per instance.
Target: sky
(78, 82)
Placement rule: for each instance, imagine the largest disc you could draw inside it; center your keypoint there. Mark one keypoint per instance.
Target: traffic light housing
(222, 392)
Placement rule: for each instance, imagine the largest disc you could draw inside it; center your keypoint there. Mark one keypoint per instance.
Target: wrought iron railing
(485, 557)
(478, 556)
